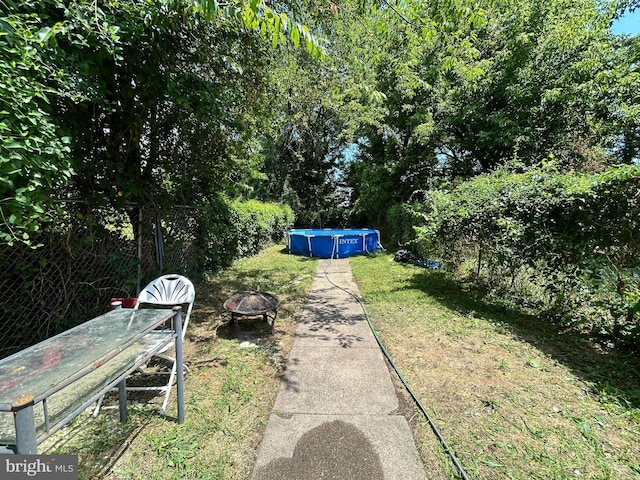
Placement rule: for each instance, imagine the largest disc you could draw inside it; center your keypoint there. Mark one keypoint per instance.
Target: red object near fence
(128, 302)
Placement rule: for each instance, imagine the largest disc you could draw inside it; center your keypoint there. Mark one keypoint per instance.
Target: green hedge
(400, 220)
(238, 229)
(563, 243)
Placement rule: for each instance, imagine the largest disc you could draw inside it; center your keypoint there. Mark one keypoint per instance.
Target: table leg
(122, 400)
(179, 363)
(26, 440)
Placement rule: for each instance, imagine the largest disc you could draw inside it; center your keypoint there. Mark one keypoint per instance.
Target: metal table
(45, 386)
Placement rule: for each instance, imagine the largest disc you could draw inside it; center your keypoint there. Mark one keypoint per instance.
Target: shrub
(401, 219)
(567, 242)
(237, 229)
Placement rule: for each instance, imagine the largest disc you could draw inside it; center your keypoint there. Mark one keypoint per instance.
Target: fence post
(138, 287)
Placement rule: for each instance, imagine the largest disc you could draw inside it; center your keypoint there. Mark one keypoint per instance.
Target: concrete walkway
(336, 416)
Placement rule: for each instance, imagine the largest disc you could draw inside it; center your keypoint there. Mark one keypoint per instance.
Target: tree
(542, 68)
(100, 88)
(621, 95)
(417, 53)
(470, 87)
(319, 108)
(167, 119)
(33, 154)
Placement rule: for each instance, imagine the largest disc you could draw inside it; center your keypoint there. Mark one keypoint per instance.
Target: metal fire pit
(253, 304)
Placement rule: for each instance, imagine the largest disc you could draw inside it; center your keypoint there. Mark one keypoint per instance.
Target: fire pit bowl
(252, 304)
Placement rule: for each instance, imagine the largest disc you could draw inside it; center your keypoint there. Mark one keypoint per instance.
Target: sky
(629, 24)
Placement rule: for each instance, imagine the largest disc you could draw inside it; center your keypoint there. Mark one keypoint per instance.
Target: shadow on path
(332, 450)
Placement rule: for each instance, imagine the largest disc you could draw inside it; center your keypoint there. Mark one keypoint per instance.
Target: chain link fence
(91, 256)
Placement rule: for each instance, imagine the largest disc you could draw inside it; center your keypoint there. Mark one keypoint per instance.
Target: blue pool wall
(333, 242)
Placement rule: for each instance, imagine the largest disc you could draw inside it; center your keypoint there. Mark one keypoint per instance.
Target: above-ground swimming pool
(333, 242)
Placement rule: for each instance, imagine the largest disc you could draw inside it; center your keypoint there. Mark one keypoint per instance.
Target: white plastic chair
(165, 291)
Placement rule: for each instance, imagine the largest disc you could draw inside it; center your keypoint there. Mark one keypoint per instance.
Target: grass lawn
(513, 397)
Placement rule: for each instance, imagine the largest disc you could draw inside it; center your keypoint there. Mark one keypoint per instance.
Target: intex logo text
(348, 241)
